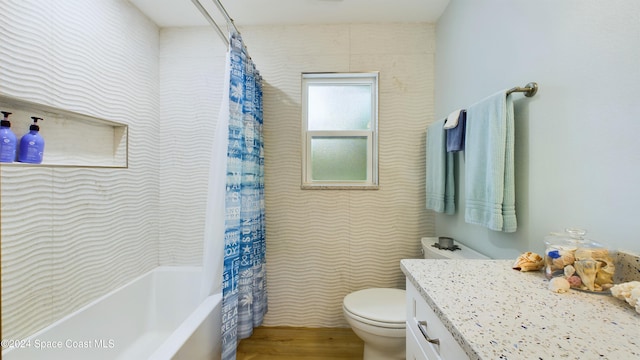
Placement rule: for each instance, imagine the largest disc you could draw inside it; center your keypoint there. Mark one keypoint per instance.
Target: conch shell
(604, 277)
(528, 261)
(591, 253)
(606, 268)
(587, 270)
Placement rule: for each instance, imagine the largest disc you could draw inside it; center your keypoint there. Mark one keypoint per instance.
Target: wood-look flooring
(269, 343)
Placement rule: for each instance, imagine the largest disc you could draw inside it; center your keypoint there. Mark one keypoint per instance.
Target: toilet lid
(380, 305)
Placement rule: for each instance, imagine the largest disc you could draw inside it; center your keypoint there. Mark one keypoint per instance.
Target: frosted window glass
(343, 158)
(339, 107)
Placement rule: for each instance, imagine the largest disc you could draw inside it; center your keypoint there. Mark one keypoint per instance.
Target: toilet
(378, 316)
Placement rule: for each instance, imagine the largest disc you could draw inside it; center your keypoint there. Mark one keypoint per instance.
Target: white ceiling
(169, 13)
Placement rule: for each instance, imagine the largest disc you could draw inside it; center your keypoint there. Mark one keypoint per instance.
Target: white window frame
(368, 78)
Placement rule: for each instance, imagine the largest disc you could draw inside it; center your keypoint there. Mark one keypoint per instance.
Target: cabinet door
(414, 351)
(432, 336)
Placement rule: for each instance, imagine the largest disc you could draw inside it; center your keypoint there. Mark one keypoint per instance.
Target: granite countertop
(495, 312)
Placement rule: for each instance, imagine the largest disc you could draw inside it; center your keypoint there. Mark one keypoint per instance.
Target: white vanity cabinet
(427, 337)
(496, 312)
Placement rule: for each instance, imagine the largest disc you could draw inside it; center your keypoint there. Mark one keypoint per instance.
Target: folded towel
(452, 120)
(455, 136)
(439, 180)
(489, 164)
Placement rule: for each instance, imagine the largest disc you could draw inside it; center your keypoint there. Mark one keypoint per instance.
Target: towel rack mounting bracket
(532, 89)
(529, 90)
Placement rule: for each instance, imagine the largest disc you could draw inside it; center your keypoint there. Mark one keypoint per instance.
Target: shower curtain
(244, 296)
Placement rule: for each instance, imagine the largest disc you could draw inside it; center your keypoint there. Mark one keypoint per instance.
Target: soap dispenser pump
(32, 144)
(8, 140)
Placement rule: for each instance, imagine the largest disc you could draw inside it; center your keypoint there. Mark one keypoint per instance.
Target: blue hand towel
(439, 180)
(489, 164)
(455, 135)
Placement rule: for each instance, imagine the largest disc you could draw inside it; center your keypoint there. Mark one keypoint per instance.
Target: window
(339, 130)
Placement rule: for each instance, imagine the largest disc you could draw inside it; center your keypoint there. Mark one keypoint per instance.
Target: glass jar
(587, 265)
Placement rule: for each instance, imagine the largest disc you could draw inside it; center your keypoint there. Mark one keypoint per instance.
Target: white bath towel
(452, 120)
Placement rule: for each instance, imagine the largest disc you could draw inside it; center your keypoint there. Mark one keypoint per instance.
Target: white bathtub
(156, 316)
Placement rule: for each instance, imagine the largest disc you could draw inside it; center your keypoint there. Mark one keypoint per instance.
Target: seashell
(604, 273)
(591, 253)
(566, 258)
(528, 261)
(569, 270)
(629, 292)
(634, 298)
(587, 270)
(604, 276)
(559, 285)
(574, 281)
(584, 254)
(607, 268)
(623, 290)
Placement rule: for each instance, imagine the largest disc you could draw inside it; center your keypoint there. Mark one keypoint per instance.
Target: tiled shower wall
(323, 244)
(70, 235)
(192, 64)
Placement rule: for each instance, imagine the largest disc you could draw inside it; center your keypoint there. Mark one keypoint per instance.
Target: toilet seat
(377, 307)
(379, 324)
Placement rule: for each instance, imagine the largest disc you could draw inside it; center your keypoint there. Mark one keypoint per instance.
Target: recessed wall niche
(71, 139)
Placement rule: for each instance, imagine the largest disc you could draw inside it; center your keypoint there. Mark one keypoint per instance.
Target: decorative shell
(605, 267)
(569, 270)
(559, 285)
(575, 281)
(566, 257)
(629, 292)
(604, 276)
(589, 253)
(528, 261)
(587, 270)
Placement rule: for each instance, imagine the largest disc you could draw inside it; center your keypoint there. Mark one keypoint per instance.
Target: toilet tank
(431, 252)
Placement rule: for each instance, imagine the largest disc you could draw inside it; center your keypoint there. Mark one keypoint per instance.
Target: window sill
(339, 187)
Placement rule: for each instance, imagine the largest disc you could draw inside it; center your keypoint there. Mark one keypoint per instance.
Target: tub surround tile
(69, 235)
(26, 249)
(190, 96)
(495, 312)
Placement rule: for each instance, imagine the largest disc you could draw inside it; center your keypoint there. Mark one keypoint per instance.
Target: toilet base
(372, 353)
(382, 347)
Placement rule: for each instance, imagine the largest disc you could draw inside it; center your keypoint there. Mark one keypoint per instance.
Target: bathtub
(157, 316)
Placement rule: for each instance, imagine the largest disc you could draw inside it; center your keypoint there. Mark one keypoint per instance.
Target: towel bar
(529, 90)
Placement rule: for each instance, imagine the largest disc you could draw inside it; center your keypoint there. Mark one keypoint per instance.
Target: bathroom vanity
(483, 309)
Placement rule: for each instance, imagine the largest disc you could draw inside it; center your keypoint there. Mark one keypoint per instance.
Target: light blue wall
(577, 144)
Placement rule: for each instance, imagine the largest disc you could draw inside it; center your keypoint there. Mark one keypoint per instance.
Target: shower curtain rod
(529, 90)
(213, 23)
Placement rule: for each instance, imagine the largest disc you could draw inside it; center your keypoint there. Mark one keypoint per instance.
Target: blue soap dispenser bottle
(8, 140)
(32, 144)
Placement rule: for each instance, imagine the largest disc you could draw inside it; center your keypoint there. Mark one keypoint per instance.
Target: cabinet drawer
(432, 336)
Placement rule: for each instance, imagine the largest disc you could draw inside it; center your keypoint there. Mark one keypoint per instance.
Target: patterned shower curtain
(244, 293)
